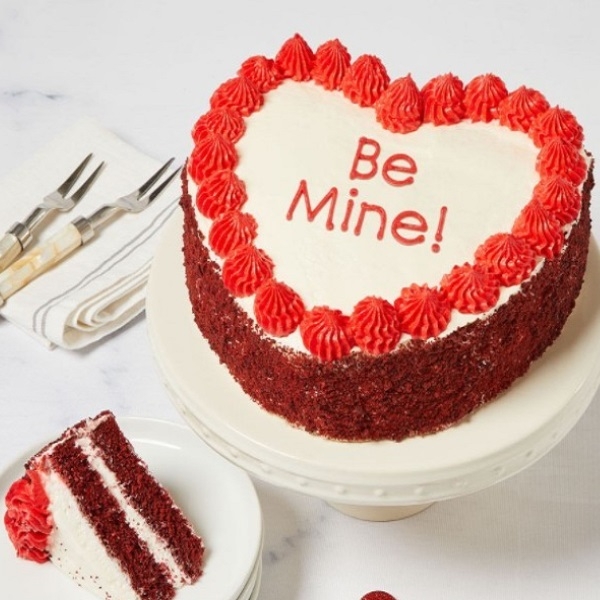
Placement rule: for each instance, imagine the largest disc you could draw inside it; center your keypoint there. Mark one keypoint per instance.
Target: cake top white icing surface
(482, 173)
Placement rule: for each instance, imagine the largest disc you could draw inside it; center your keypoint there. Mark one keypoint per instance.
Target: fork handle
(10, 248)
(39, 260)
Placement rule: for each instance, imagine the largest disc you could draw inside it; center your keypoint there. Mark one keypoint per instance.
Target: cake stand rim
(310, 470)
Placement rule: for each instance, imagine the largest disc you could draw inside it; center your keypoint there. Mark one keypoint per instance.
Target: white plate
(218, 498)
(499, 440)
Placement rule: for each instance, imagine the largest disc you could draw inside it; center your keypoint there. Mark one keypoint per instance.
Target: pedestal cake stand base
(372, 480)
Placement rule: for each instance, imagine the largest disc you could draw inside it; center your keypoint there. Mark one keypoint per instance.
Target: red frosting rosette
(226, 122)
(375, 325)
(238, 93)
(278, 308)
(245, 269)
(443, 100)
(219, 193)
(556, 122)
(508, 257)
(263, 72)
(483, 95)
(27, 518)
(470, 288)
(540, 229)
(231, 230)
(424, 312)
(332, 60)
(295, 59)
(400, 107)
(326, 333)
(212, 153)
(560, 196)
(518, 110)
(365, 80)
(559, 157)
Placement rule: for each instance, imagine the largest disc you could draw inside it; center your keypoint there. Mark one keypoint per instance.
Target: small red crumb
(378, 595)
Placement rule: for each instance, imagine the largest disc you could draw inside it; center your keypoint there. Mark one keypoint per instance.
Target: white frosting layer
(157, 546)
(76, 549)
(482, 173)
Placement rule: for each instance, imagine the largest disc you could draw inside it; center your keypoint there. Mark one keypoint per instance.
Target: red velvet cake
(373, 259)
(89, 504)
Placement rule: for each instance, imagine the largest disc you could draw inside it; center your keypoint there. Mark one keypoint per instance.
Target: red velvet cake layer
(419, 388)
(151, 500)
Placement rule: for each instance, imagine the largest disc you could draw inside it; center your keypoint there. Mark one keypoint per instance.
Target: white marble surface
(146, 71)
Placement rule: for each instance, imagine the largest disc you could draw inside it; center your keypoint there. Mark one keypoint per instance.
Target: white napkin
(101, 286)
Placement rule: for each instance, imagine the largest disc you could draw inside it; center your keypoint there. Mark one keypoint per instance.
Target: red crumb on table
(378, 595)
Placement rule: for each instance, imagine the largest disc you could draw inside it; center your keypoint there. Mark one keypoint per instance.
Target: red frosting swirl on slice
(212, 153)
(231, 230)
(558, 157)
(224, 121)
(220, 192)
(245, 269)
(521, 107)
(560, 196)
(238, 93)
(375, 325)
(540, 228)
(27, 518)
(400, 107)
(443, 100)
(262, 72)
(424, 312)
(365, 80)
(332, 60)
(470, 289)
(326, 333)
(483, 94)
(556, 122)
(278, 308)
(295, 59)
(507, 257)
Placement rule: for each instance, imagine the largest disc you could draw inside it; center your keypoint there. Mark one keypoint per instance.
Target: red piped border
(296, 61)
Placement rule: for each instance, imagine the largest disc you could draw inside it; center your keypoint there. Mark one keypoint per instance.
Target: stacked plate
(218, 498)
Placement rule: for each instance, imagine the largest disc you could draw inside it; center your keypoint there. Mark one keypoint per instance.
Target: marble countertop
(146, 71)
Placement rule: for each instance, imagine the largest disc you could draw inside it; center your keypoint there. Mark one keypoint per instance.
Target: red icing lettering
(370, 158)
(364, 208)
(409, 220)
(399, 163)
(368, 152)
(408, 227)
(302, 192)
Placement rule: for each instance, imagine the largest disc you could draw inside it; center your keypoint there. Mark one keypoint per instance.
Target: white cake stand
(373, 480)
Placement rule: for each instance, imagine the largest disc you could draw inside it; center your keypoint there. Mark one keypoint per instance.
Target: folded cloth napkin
(101, 286)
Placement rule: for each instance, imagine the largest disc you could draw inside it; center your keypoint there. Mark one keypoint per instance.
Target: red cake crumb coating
(377, 364)
(345, 399)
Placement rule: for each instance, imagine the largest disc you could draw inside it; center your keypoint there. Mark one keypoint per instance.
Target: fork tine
(148, 184)
(67, 184)
(85, 186)
(163, 185)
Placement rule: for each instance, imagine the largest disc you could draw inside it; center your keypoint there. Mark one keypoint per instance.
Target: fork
(76, 233)
(20, 236)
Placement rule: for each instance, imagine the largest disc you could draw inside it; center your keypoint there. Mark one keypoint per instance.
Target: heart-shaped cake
(374, 260)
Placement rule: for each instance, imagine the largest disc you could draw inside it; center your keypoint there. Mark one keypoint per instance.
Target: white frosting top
(482, 173)
(460, 184)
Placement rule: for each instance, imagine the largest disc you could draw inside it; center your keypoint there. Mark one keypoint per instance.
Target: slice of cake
(89, 504)
(373, 258)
